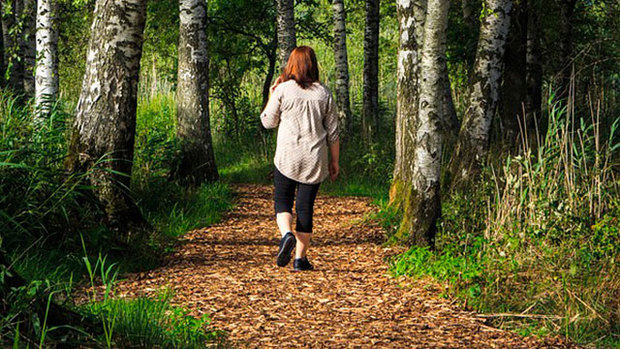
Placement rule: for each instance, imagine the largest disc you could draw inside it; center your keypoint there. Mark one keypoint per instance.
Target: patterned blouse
(308, 123)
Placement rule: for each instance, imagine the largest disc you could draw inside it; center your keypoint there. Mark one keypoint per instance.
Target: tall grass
(536, 243)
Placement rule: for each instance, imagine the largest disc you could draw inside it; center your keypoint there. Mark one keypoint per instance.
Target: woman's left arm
(332, 127)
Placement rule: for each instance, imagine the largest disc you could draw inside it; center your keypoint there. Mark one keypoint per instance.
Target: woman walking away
(305, 113)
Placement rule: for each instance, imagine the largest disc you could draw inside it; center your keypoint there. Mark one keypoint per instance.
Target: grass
(153, 322)
(537, 236)
(51, 233)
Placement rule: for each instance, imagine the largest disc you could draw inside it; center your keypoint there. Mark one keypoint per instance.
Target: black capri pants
(304, 205)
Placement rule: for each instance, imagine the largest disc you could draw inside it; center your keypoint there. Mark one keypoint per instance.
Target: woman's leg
(283, 198)
(304, 207)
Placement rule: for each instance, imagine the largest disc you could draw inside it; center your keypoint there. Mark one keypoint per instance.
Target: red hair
(301, 67)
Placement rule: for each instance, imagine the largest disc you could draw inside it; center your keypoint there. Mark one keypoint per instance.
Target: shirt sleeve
(331, 122)
(270, 117)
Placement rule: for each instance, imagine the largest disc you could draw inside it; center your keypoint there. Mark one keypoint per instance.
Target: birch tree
(473, 141)
(102, 141)
(342, 64)
(421, 94)
(46, 72)
(287, 39)
(193, 130)
(410, 23)
(370, 105)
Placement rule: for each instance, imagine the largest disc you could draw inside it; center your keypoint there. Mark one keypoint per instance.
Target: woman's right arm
(270, 117)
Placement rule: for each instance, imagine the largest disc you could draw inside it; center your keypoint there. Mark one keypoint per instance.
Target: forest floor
(228, 271)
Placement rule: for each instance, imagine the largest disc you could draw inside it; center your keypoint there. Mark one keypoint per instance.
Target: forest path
(228, 271)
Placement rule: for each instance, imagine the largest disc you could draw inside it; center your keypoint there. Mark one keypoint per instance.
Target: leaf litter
(228, 271)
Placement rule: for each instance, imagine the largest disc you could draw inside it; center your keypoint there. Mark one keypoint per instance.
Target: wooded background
(485, 131)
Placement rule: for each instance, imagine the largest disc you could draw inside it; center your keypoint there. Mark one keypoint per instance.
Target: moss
(419, 214)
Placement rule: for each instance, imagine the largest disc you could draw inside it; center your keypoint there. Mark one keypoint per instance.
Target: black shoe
(301, 264)
(286, 247)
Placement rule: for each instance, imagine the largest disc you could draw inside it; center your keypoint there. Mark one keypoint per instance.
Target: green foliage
(142, 322)
(44, 212)
(538, 237)
(148, 322)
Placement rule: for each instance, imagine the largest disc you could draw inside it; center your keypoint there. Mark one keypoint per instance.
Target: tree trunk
(342, 66)
(28, 43)
(469, 15)
(271, 56)
(370, 108)
(193, 128)
(2, 85)
(533, 69)
(514, 86)
(287, 39)
(421, 199)
(473, 141)
(567, 10)
(102, 141)
(411, 15)
(449, 121)
(46, 74)
(10, 35)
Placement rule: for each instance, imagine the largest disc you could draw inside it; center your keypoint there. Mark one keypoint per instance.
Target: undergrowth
(47, 225)
(535, 242)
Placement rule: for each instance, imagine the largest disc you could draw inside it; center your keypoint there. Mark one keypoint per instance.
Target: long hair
(301, 67)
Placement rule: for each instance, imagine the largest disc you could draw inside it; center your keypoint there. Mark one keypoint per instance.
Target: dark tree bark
(287, 39)
(11, 36)
(102, 142)
(2, 69)
(342, 65)
(533, 69)
(271, 54)
(473, 141)
(514, 86)
(193, 125)
(46, 71)
(28, 44)
(449, 121)
(469, 13)
(567, 11)
(370, 105)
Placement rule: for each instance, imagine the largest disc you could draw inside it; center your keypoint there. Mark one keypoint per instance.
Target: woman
(303, 110)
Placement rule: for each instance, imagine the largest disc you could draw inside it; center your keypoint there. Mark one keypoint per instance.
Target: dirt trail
(228, 271)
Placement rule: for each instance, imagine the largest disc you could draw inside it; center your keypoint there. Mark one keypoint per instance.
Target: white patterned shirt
(307, 122)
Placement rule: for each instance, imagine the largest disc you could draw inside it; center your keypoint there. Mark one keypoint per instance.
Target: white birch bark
(342, 64)
(287, 39)
(411, 16)
(46, 72)
(422, 209)
(193, 130)
(473, 142)
(420, 116)
(105, 121)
